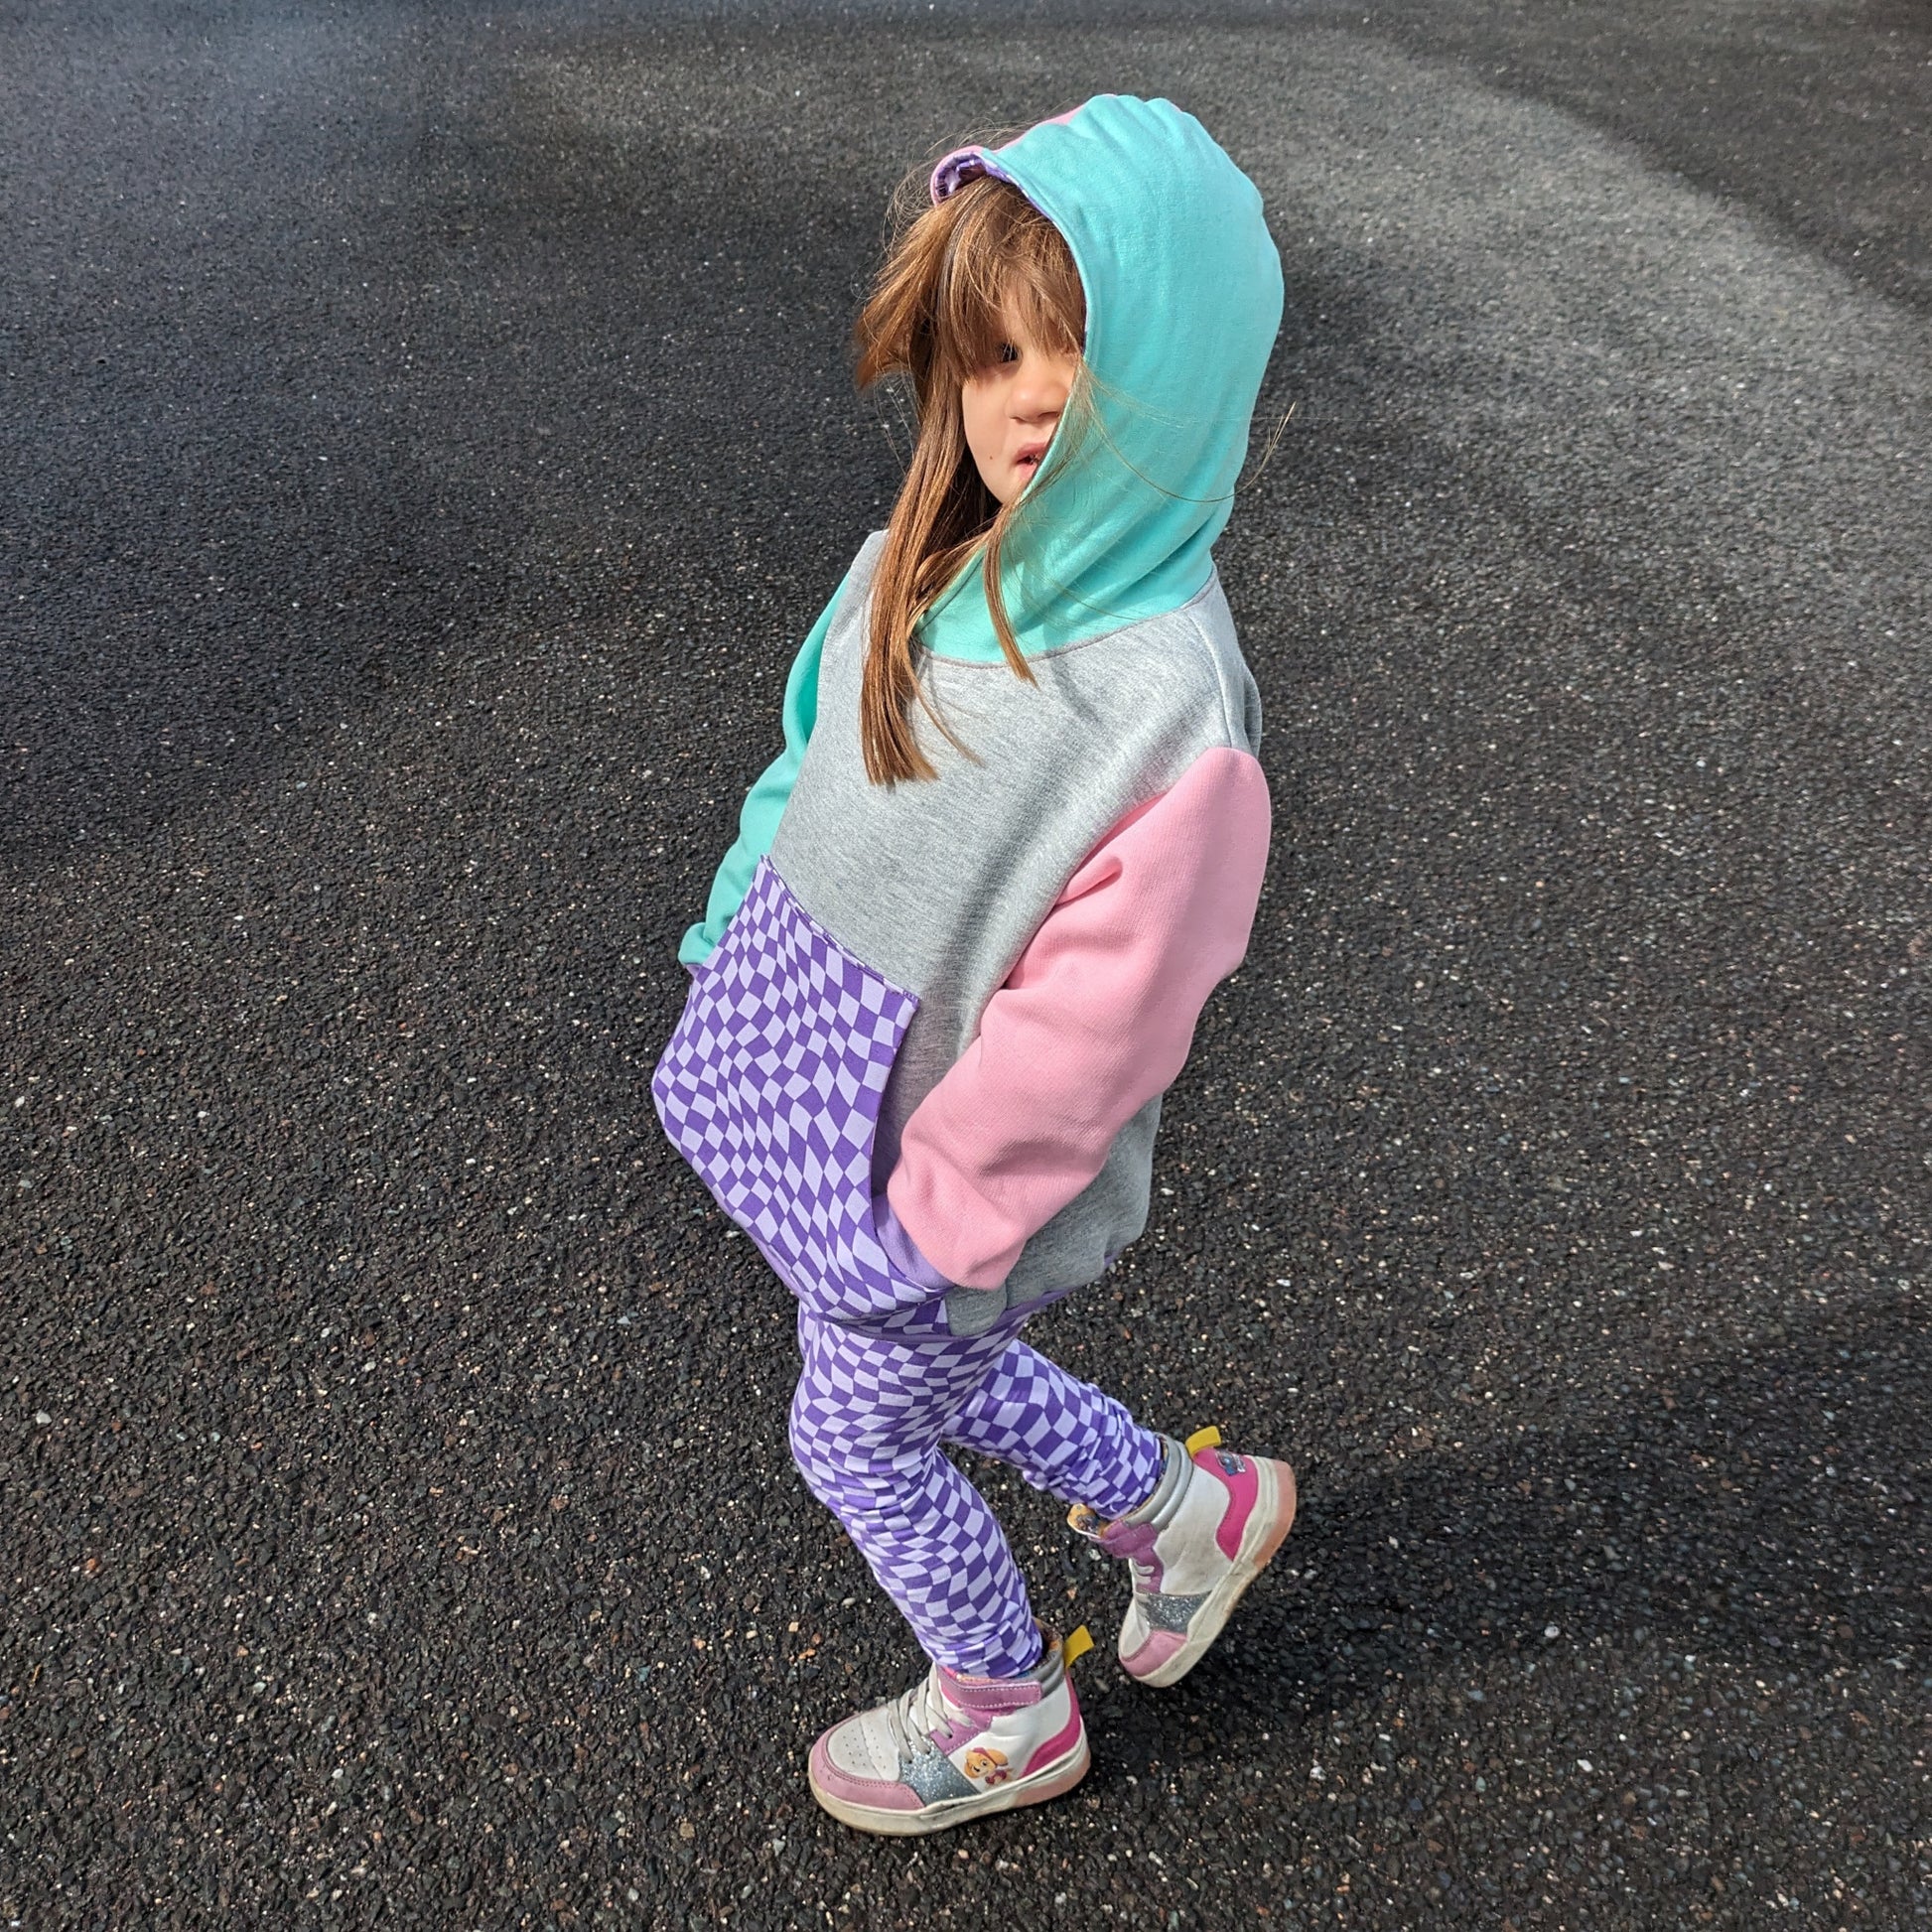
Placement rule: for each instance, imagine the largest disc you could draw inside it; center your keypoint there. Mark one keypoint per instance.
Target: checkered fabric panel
(866, 1418)
(1060, 1434)
(871, 1412)
(771, 1088)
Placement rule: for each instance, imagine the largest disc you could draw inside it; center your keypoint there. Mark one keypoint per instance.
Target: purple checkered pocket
(771, 1088)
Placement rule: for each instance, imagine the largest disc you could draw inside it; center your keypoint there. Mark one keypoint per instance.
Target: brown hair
(937, 316)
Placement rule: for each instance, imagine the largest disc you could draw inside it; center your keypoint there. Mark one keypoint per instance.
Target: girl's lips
(1030, 453)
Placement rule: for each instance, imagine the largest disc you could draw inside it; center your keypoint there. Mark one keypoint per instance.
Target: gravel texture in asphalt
(425, 433)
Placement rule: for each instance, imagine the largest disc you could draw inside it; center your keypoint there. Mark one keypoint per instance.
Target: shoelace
(915, 1717)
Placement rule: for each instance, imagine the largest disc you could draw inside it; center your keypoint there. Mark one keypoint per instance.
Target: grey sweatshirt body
(938, 886)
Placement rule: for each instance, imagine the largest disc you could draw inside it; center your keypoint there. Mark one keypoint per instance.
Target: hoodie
(929, 1025)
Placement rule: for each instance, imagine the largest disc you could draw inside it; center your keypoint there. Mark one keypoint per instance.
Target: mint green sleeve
(758, 820)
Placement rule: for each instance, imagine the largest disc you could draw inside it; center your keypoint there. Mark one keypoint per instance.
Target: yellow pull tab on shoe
(1209, 1438)
(1076, 1646)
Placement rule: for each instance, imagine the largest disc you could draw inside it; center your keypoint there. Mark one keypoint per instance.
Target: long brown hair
(937, 316)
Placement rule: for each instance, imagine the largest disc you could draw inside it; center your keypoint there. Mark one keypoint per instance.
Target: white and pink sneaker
(1208, 1530)
(954, 1748)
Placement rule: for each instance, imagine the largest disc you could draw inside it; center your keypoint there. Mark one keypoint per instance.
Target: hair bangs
(1005, 270)
(964, 277)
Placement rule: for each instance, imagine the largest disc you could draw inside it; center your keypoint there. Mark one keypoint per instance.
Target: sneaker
(1203, 1536)
(955, 1749)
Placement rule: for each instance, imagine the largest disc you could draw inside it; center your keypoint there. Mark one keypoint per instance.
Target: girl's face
(1012, 407)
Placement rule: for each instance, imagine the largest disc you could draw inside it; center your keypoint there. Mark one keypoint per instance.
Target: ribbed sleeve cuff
(902, 1250)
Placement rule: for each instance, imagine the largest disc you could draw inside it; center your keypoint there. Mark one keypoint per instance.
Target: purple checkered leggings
(771, 1088)
(874, 1406)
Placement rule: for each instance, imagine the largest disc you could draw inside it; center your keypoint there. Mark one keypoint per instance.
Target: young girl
(1014, 839)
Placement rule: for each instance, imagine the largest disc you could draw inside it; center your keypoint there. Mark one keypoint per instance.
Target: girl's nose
(1038, 392)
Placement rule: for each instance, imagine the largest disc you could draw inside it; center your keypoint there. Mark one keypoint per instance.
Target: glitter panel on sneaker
(771, 1088)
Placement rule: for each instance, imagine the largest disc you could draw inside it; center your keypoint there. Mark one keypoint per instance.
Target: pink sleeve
(1094, 1020)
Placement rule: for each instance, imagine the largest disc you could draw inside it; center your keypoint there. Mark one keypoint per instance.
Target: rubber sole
(1034, 1789)
(1268, 1527)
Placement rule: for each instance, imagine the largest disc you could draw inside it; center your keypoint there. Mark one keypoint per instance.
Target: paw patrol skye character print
(987, 1767)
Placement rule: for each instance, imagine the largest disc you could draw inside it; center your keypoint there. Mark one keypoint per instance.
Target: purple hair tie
(964, 163)
(961, 165)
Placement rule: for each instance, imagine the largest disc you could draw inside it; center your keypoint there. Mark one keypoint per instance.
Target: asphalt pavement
(424, 435)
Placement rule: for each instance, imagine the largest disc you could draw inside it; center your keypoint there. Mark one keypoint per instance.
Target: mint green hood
(1184, 297)
(1183, 291)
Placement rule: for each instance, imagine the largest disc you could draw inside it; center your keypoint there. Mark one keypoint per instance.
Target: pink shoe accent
(1057, 1746)
(1241, 1490)
(990, 1693)
(1154, 1653)
(1134, 1543)
(876, 1793)
(962, 1731)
